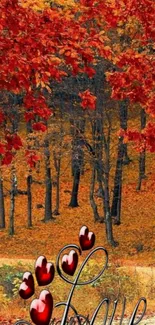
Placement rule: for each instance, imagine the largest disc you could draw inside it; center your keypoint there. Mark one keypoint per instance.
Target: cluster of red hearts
(41, 309)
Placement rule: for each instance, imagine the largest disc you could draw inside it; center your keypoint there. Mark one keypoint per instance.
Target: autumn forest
(77, 137)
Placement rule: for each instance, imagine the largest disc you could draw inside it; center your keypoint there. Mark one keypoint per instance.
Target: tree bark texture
(142, 156)
(48, 184)
(2, 207)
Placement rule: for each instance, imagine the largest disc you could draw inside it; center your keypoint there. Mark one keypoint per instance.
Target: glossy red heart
(44, 271)
(26, 289)
(41, 309)
(87, 238)
(69, 262)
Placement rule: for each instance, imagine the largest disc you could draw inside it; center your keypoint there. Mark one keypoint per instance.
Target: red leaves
(7, 158)
(150, 107)
(2, 117)
(135, 80)
(89, 71)
(129, 135)
(29, 116)
(149, 133)
(86, 3)
(31, 100)
(88, 100)
(2, 148)
(36, 105)
(144, 140)
(37, 46)
(17, 142)
(13, 141)
(43, 112)
(39, 127)
(32, 158)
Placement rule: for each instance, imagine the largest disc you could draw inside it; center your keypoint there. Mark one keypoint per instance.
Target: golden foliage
(35, 5)
(45, 4)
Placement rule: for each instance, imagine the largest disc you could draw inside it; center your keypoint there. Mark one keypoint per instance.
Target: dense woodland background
(84, 147)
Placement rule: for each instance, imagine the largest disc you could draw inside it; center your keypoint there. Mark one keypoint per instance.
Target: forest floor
(135, 234)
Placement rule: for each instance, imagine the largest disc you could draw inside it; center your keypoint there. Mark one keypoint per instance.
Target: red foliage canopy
(39, 46)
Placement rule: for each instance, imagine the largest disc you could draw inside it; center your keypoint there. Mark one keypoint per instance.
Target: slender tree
(48, 183)
(122, 151)
(77, 159)
(142, 156)
(2, 206)
(29, 200)
(12, 201)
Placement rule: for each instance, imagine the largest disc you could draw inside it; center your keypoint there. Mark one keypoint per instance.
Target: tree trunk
(108, 218)
(36, 144)
(29, 197)
(56, 212)
(77, 160)
(98, 123)
(2, 207)
(78, 126)
(117, 192)
(106, 199)
(57, 164)
(122, 153)
(12, 203)
(48, 184)
(95, 170)
(123, 113)
(57, 160)
(74, 196)
(98, 129)
(29, 127)
(91, 196)
(142, 157)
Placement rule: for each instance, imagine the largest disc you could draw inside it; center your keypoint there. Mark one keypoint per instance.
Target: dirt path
(145, 277)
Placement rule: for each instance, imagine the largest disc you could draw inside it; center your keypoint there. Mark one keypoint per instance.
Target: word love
(83, 320)
(77, 318)
(41, 309)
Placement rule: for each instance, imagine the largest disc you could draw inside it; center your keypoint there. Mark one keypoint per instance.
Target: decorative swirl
(113, 313)
(86, 320)
(22, 322)
(75, 283)
(82, 266)
(105, 300)
(59, 322)
(71, 306)
(71, 321)
(123, 310)
(58, 259)
(131, 322)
